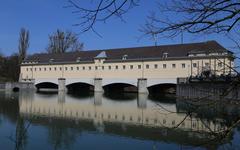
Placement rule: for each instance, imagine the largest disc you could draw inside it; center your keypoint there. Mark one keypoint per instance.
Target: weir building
(142, 67)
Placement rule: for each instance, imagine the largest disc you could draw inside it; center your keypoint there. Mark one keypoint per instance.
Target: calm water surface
(30, 120)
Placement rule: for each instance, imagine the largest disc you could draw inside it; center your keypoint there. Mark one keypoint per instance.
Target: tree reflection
(60, 136)
(205, 113)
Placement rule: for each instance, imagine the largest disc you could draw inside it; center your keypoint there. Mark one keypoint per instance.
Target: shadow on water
(84, 94)
(163, 98)
(121, 96)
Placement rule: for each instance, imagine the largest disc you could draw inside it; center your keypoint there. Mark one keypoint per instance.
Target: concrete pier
(98, 85)
(142, 86)
(61, 84)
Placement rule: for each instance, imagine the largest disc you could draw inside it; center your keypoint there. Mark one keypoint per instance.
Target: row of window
(156, 66)
(102, 67)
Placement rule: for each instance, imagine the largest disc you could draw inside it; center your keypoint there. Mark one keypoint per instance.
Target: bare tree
(100, 11)
(23, 44)
(194, 16)
(61, 42)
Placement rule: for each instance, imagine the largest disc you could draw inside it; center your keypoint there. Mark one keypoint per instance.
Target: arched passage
(49, 86)
(79, 88)
(16, 89)
(120, 87)
(162, 89)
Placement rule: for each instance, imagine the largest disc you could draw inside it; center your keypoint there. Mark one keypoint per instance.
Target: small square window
(45, 69)
(183, 65)
(206, 64)
(89, 68)
(50, 69)
(60, 68)
(83, 67)
(124, 67)
(164, 66)
(194, 65)
(116, 67)
(131, 66)
(109, 67)
(40, 69)
(147, 66)
(173, 65)
(35, 69)
(55, 68)
(66, 68)
(220, 64)
(155, 66)
(139, 66)
(96, 67)
(77, 68)
(102, 67)
(71, 68)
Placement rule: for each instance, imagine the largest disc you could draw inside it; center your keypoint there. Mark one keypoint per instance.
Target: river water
(117, 121)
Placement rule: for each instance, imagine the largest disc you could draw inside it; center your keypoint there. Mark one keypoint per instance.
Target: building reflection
(136, 116)
(100, 109)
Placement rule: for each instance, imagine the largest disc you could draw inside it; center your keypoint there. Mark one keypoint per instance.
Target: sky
(43, 17)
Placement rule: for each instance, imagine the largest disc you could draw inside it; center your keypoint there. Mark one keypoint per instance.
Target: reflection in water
(68, 118)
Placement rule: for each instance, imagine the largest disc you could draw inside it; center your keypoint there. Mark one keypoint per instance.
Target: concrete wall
(206, 91)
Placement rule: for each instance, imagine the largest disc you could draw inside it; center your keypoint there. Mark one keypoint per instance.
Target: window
(35, 69)
(71, 68)
(173, 65)
(220, 64)
(109, 67)
(50, 68)
(164, 66)
(27, 69)
(66, 68)
(31, 69)
(102, 67)
(45, 69)
(96, 67)
(147, 66)
(77, 68)
(83, 67)
(60, 68)
(155, 66)
(116, 67)
(131, 66)
(183, 65)
(124, 57)
(124, 67)
(139, 66)
(40, 69)
(165, 55)
(194, 65)
(89, 68)
(206, 64)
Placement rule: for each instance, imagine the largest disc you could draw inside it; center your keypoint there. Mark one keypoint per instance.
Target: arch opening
(16, 89)
(120, 88)
(162, 91)
(46, 87)
(80, 88)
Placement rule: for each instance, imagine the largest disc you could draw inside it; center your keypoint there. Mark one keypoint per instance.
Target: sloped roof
(174, 51)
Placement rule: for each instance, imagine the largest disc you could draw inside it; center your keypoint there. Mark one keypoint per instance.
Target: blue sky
(42, 17)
